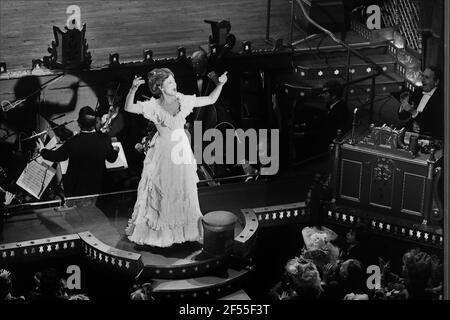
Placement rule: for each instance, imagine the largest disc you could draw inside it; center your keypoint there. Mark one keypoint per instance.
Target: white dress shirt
(423, 102)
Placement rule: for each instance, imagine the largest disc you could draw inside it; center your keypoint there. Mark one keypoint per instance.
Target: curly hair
(417, 264)
(156, 77)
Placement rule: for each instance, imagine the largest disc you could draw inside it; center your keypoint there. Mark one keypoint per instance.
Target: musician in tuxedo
(424, 109)
(111, 119)
(87, 152)
(337, 114)
(205, 84)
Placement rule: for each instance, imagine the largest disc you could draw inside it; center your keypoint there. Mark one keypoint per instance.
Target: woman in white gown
(167, 209)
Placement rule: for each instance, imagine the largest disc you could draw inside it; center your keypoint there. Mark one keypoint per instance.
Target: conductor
(87, 152)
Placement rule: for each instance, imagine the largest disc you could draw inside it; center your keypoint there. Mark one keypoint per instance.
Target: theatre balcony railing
(376, 69)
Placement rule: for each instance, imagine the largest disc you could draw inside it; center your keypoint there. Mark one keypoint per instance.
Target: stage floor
(106, 218)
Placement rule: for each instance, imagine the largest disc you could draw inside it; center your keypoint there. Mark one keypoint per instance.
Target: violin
(106, 119)
(104, 125)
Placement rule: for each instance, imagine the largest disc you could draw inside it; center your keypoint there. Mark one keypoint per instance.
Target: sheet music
(35, 178)
(121, 161)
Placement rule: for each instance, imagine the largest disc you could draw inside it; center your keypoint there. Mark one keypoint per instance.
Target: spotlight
(2, 67)
(247, 46)
(113, 59)
(148, 56)
(181, 51)
(36, 64)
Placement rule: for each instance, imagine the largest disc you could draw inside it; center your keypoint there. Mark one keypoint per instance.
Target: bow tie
(429, 93)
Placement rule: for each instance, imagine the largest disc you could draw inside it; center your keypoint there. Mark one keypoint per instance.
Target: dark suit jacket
(87, 153)
(431, 119)
(338, 118)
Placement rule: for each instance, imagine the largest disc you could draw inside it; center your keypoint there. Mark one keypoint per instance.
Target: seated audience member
(331, 282)
(49, 286)
(338, 116)
(417, 272)
(422, 278)
(301, 281)
(284, 288)
(307, 283)
(142, 292)
(6, 286)
(87, 152)
(358, 246)
(319, 246)
(424, 109)
(353, 277)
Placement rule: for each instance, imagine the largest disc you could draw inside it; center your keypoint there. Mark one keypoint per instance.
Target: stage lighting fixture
(148, 55)
(219, 31)
(181, 52)
(113, 59)
(247, 46)
(2, 67)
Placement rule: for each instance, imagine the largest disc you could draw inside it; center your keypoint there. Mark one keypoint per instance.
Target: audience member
(6, 286)
(307, 283)
(50, 286)
(358, 246)
(142, 292)
(353, 277)
(284, 288)
(417, 270)
(318, 244)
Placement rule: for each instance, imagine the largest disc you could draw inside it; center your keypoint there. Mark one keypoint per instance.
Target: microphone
(354, 124)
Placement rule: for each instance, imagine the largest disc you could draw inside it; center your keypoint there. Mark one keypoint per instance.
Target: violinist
(110, 119)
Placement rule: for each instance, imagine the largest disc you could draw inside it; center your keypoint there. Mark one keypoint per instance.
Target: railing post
(372, 99)
(347, 80)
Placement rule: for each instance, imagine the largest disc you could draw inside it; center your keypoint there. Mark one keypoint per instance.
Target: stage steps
(309, 76)
(213, 286)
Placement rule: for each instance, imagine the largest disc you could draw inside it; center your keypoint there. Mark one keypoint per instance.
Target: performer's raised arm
(130, 106)
(214, 95)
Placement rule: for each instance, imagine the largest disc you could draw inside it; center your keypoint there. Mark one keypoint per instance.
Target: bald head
(199, 62)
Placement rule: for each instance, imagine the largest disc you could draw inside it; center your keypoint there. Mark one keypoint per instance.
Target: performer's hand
(223, 78)
(39, 145)
(137, 81)
(8, 197)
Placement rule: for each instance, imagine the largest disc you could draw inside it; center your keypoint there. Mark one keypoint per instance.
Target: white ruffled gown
(167, 209)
